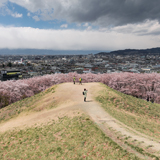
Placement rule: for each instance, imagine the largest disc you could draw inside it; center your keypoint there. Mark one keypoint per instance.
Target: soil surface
(70, 103)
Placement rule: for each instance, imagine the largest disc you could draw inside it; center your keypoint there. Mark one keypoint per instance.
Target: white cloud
(64, 25)
(147, 27)
(4, 10)
(25, 37)
(17, 15)
(2, 3)
(89, 28)
(28, 4)
(86, 25)
(78, 25)
(36, 18)
(102, 13)
(28, 14)
(137, 35)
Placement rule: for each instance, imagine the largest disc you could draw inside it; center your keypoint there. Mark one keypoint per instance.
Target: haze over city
(104, 25)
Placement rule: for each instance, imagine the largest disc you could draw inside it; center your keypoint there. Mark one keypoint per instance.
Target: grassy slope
(136, 113)
(28, 104)
(67, 138)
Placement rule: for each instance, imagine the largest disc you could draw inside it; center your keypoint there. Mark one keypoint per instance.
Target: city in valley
(26, 66)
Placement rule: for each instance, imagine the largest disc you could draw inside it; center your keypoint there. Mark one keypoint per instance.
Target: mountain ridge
(132, 51)
(6, 51)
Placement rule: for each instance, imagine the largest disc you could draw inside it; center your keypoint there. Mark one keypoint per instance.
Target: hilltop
(60, 115)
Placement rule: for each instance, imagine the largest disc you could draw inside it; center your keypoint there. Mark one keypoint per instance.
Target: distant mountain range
(76, 52)
(45, 52)
(132, 51)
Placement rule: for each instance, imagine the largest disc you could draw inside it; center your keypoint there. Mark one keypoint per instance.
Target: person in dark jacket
(85, 94)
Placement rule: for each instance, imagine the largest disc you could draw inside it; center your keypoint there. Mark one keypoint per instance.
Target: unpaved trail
(70, 99)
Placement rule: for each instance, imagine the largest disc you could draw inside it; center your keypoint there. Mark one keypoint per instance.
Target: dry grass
(135, 113)
(67, 138)
(36, 103)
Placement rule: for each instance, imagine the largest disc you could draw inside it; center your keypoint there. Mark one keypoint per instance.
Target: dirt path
(70, 100)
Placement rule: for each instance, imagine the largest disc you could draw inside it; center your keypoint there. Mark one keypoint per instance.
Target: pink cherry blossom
(137, 85)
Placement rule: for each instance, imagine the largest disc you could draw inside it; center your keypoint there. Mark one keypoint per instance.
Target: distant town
(26, 66)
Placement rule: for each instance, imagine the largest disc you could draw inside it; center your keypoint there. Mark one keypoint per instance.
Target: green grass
(140, 150)
(26, 105)
(68, 138)
(136, 113)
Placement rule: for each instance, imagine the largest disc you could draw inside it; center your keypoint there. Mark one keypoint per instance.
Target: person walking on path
(80, 80)
(85, 94)
(74, 80)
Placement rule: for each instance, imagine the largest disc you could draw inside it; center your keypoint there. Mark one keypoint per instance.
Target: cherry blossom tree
(144, 86)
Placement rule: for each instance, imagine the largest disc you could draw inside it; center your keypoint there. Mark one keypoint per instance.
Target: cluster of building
(26, 66)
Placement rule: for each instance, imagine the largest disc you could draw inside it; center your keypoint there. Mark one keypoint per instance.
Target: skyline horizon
(79, 25)
(32, 51)
(48, 51)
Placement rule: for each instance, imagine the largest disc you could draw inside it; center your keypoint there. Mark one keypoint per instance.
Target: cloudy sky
(80, 24)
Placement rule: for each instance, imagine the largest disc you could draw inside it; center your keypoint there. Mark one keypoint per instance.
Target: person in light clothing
(85, 94)
(74, 80)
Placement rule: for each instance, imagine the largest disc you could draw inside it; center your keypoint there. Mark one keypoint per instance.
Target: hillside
(60, 119)
(151, 51)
